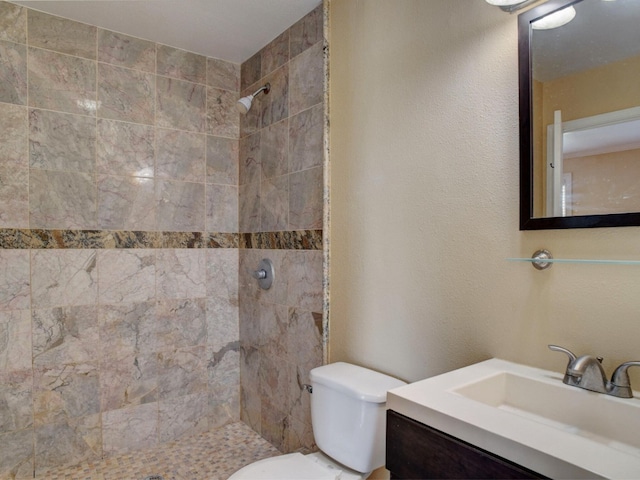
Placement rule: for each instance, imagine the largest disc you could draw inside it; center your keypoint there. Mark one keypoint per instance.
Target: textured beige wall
(424, 204)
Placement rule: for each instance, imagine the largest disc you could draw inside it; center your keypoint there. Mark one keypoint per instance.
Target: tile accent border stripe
(13, 238)
(294, 240)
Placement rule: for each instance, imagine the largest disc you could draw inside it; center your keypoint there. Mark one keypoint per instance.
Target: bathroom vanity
(498, 419)
(415, 450)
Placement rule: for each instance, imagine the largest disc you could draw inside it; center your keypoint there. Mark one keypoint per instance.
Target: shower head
(244, 104)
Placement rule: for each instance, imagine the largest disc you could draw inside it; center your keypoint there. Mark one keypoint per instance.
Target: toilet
(348, 416)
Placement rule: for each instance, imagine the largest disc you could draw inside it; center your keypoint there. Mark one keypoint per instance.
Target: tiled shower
(134, 203)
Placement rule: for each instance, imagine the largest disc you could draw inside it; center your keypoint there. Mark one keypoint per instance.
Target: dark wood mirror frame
(527, 221)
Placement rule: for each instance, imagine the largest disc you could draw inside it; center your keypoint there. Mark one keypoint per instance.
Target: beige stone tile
(222, 274)
(16, 454)
(61, 35)
(223, 119)
(128, 330)
(62, 82)
(249, 159)
(275, 54)
(274, 425)
(181, 372)
(250, 71)
(224, 405)
(125, 149)
(305, 199)
(180, 324)
(180, 64)
(275, 106)
(125, 94)
(222, 208)
(306, 79)
(274, 154)
(223, 74)
(306, 131)
(130, 429)
(274, 204)
(14, 134)
(125, 51)
(182, 415)
(16, 346)
(306, 32)
(180, 155)
(62, 141)
(128, 380)
(249, 207)
(303, 270)
(250, 358)
(181, 273)
(126, 203)
(126, 276)
(181, 206)
(14, 197)
(15, 283)
(13, 22)
(222, 322)
(65, 392)
(222, 160)
(223, 366)
(13, 73)
(62, 200)
(181, 105)
(63, 277)
(65, 335)
(67, 442)
(16, 398)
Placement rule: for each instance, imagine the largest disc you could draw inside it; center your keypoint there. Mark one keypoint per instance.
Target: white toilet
(348, 416)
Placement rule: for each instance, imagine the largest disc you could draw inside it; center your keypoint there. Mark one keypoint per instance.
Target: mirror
(580, 115)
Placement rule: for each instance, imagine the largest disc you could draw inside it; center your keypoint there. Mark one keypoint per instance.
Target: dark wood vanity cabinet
(417, 451)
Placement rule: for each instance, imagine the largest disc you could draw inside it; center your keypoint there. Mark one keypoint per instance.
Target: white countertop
(538, 446)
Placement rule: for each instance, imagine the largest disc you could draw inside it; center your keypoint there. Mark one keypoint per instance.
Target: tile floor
(208, 456)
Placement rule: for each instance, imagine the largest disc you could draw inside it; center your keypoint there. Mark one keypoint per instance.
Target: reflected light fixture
(244, 104)
(555, 19)
(510, 6)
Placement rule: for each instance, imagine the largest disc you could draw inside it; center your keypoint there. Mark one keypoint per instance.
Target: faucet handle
(569, 353)
(568, 378)
(620, 380)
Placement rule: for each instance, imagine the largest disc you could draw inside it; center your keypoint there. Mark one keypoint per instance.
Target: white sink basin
(595, 416)
(530, 417)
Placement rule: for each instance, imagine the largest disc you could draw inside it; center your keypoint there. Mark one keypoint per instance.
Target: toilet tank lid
(355, 381)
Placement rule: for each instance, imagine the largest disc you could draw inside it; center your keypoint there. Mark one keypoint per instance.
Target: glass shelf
(542, 259)
(575, 260)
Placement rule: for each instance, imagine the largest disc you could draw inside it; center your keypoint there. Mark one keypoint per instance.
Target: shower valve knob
(264, 274)
(259, 274)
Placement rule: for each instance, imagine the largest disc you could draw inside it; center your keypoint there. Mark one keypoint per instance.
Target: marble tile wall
(119, 243)
(281, 138)
(281, 190)
(281, 340)
(99, 130)
(111, 350)
(128, 230)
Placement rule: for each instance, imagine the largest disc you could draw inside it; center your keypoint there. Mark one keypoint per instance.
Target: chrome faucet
(587, 372)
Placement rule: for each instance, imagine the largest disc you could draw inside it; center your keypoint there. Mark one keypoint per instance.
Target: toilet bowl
(295, 466)
(348, 417)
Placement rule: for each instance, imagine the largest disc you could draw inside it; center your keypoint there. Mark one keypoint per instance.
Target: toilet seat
(295, 466)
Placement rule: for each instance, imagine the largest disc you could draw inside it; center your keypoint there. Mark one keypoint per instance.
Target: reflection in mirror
(580, 115)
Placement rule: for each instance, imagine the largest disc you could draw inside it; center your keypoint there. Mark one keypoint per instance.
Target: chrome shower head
(244, 104)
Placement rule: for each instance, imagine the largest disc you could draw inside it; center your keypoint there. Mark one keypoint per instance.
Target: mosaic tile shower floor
(208, 456)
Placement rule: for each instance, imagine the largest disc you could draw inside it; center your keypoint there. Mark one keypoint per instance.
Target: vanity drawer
(417, 451)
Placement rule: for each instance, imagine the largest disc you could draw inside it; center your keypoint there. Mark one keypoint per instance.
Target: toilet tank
(348, 414)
